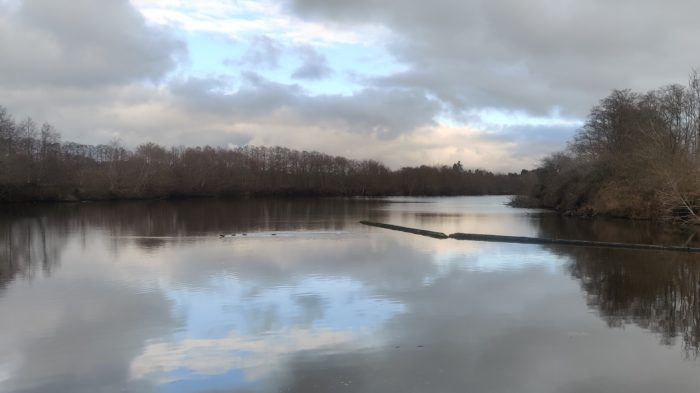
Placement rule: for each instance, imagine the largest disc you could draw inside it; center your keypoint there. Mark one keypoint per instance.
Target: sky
(497, 84)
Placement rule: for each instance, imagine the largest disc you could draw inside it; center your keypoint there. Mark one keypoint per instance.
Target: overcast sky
(497, 84)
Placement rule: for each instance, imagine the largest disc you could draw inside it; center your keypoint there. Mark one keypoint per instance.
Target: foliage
(638, 156)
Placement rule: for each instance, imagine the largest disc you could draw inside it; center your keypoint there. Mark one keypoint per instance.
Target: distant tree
(35, 164)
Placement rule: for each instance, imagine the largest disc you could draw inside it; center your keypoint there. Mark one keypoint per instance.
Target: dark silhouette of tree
(36, 165)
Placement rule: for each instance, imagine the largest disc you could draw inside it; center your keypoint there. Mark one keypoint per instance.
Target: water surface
(147, 297)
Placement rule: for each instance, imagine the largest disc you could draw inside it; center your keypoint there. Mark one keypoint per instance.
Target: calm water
(146, 297)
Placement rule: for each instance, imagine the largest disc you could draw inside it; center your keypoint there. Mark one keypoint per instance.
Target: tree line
(636, 156)
(36, 165)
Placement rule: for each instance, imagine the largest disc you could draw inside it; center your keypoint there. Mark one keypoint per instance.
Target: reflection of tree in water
(200, 217)
(658, 291)
(29, 243)
(32, 237)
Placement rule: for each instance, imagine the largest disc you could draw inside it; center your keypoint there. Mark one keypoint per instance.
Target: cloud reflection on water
(361, 310)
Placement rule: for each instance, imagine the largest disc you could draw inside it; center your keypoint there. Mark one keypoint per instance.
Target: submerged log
(531, 240)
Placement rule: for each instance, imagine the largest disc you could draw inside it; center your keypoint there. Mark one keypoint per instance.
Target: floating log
(566, 242)
(531, 240)
(436, 235)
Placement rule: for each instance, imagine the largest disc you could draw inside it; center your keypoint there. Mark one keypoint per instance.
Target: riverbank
(637, 156)
(619, 210)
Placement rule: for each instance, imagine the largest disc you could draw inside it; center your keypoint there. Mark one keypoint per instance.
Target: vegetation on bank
(36, 165)
(637, 156)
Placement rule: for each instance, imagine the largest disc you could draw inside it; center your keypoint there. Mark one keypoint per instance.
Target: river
(297, 296)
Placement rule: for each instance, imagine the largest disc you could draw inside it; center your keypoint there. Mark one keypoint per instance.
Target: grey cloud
(198, 138)
(314, 65)
(262, 51)
(387, 112)
(134, 113)
(533, 140)
(531, 56)
(256, 97)
(197, 111)
(81, 43)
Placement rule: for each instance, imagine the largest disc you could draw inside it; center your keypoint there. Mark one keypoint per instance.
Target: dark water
(146, 297)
